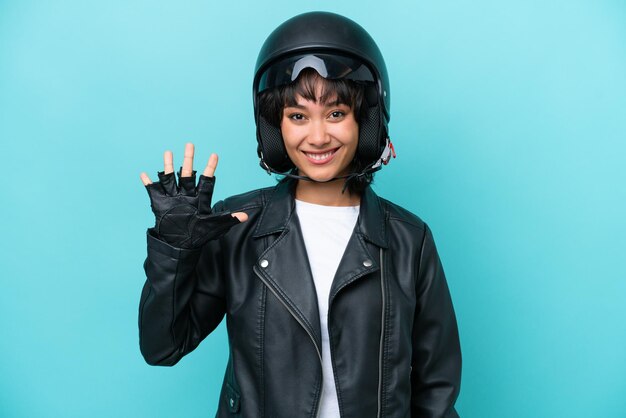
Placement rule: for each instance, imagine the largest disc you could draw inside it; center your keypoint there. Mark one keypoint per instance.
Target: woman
(335, 299)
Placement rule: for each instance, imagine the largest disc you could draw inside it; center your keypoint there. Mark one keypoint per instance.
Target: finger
(168, 162)
(205, 193)
(209, 170)
(168, 182)
(188, 183)
(242, 216)
(188, 160)
(145, 179)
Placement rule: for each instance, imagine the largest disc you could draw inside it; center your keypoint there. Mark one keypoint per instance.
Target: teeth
(319, 157)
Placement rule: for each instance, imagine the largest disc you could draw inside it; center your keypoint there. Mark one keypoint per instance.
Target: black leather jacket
(393, 333)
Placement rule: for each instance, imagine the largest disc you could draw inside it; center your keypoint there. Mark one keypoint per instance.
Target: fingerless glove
(183, 210)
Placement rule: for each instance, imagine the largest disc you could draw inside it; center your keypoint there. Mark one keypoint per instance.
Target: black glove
(183, 211)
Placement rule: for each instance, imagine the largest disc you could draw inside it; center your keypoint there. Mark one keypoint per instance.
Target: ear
(271, 149)
(371, 136)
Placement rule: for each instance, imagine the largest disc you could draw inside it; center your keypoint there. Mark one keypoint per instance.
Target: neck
(327, 194)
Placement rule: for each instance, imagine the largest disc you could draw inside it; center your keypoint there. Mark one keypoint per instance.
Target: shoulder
(397, 214)
(246, 201)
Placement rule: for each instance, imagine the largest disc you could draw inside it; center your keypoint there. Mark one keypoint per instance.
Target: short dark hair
(272, 102)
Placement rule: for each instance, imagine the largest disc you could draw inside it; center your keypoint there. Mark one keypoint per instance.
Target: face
(320, 139)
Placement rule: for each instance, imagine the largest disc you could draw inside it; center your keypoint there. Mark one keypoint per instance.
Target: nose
(318, 134)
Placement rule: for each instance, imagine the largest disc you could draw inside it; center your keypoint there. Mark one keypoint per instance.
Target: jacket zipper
(319, 354)
(382, 337)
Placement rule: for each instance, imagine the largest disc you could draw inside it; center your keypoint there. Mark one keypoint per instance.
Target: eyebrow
(329, 104)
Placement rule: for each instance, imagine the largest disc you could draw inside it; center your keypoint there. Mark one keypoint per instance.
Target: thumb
(241, 216)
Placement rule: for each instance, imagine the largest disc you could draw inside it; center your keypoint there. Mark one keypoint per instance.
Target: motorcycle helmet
(336, 48)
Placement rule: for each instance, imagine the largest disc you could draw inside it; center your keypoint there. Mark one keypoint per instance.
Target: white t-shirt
(326, 231)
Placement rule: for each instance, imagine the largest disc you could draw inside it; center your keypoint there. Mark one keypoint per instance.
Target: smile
(320, 157)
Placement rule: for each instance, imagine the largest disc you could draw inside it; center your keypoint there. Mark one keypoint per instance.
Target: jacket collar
(281, 204)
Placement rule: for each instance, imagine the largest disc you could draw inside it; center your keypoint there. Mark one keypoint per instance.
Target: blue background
(509, 119)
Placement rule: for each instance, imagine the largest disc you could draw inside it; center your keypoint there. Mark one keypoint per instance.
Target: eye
(337, 114)
(296, 116)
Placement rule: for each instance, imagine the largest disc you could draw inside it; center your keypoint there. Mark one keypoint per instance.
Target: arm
(182, 300)
(436, 364)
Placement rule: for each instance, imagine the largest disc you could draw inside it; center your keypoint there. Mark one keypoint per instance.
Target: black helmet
(337, 48)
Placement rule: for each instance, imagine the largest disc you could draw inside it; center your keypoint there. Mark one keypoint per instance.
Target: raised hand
(183, 210)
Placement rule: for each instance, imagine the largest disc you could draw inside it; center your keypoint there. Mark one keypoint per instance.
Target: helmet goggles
(329, 66)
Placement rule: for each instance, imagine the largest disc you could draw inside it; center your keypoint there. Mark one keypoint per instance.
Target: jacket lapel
(357, 260)
(284, 265)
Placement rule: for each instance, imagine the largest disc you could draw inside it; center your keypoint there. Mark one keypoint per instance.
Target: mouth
(320, 157)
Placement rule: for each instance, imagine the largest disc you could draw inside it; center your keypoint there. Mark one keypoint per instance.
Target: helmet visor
(328, 66)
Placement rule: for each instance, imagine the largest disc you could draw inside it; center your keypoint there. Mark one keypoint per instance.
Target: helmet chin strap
(347, 177)
(384, 158)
